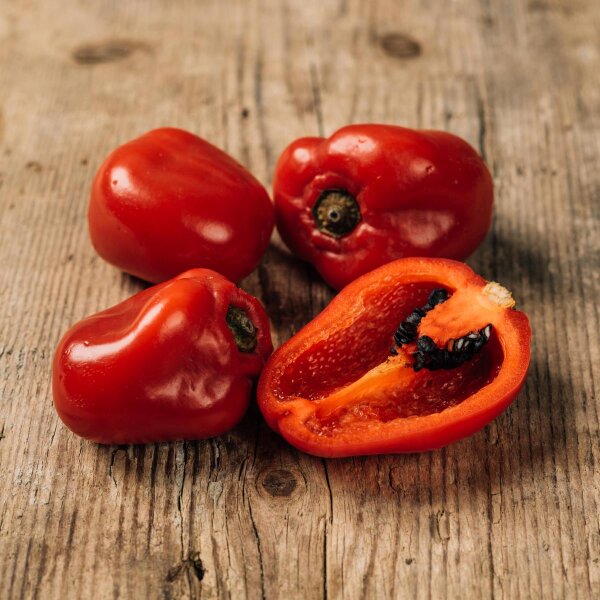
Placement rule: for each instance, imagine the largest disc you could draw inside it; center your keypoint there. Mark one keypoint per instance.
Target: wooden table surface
(512, 512)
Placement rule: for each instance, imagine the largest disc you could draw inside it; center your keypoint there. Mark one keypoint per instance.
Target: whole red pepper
(370, 194)
(169, 201)
(175, 361)
(409, 357)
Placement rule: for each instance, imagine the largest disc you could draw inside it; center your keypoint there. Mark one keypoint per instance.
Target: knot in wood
(400, 45)
(105, 51)
(279, 483)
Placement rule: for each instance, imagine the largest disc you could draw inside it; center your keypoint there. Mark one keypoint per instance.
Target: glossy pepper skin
(370, 194)
(169, 201)
(176, 361)
(342, 386)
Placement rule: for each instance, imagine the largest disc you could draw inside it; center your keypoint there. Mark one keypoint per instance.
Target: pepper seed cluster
(428, 354)
(407, 330)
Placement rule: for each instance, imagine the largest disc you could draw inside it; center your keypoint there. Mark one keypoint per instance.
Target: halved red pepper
(175, 361)
(410, 357)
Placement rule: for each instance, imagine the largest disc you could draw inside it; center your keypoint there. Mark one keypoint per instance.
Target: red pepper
(169, 201)
(410, 357)
(370, 194)
(176, 361)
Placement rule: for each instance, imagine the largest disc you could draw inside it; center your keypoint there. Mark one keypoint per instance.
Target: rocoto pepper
(370, 194)
(169, 201)
(410, 357)
(175, 361)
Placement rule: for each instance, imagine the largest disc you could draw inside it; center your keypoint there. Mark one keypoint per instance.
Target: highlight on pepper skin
(370, 194)
(410, 357)
(175, 361)
(169, 201)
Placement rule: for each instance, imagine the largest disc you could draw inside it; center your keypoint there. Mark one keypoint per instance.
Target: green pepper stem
(242, 328)
(336, 212)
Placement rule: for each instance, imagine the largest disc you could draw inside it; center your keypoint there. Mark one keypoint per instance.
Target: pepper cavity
(428, 354)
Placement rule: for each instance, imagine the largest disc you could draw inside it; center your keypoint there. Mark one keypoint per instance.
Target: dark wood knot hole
(279, 483)
(104, 52)
(400, 45)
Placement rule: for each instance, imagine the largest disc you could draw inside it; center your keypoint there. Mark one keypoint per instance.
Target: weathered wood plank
(511, 512)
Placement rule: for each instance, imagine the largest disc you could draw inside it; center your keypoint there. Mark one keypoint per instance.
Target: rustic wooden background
(512, 512)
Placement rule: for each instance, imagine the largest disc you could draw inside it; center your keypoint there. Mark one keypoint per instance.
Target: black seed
(455, 361)
(426, 344)
(419, 361)
(457, 352)
(400, 339)
(439, 358)
(437, 297)
(413, 319)
(393, 351)
(486, 332)
(407, 330)
(434, 357)
(458, 359)
(408, 326)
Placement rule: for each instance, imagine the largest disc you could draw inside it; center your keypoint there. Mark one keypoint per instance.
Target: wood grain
(512, 512)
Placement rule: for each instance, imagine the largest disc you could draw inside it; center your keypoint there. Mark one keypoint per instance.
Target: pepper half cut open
(410, 357)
